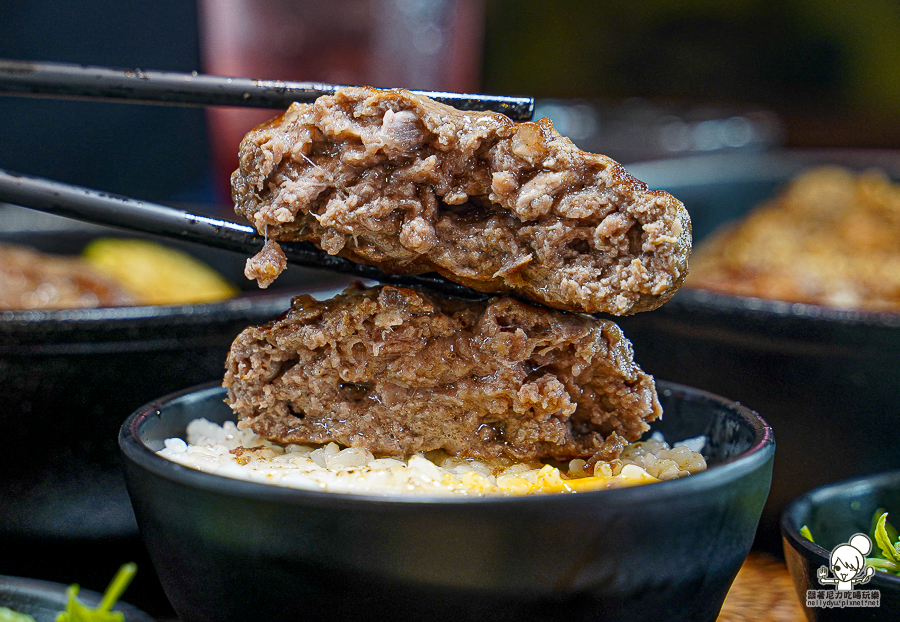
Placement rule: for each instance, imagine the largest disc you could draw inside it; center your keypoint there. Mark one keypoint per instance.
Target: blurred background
(636, 81)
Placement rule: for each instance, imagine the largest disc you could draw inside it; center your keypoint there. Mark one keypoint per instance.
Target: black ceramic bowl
(68, 379)
(43, 600)
(833, 514)
(236, 550)
(825, 379)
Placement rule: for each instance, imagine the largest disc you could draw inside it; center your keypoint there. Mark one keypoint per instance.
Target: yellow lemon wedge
(156, 274)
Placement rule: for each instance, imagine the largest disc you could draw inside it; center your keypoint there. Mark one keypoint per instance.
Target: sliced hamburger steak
(399, 181)
(397, 370)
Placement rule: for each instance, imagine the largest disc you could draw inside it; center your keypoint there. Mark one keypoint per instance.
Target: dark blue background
(156, 153)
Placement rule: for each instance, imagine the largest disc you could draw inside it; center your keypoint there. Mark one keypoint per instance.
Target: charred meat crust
(399, 181)
(398, 370)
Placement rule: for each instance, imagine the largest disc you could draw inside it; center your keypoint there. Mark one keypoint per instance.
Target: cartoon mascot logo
(848, 564)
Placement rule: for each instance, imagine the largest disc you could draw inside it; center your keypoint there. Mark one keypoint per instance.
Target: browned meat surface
(33, 280)
(397, 370)
(830, 237)
(266, 265)
(392, 179)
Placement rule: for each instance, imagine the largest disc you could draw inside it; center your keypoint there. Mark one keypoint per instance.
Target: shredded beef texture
(399, 181)
(266, 265)
(396, 370)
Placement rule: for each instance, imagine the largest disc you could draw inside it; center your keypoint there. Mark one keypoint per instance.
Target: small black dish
(833, 514)
(235, 550)
(43, 600)
(825, 379)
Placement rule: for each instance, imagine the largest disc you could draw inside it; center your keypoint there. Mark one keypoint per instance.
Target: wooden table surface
(762, 592)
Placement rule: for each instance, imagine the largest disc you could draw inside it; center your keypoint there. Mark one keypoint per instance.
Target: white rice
(241, 454)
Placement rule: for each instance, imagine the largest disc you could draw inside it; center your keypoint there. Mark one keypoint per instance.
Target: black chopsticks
(102, 208)
(65, 81)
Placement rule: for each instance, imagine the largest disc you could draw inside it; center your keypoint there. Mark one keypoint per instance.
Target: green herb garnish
(804, 531)
(886, 538)
(888, 541)
(78, 612)
(8, 615)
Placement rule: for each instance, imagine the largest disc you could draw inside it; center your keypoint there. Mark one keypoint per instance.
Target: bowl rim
(791, 535)
(236, 307)
(137, 452)
(690, 298)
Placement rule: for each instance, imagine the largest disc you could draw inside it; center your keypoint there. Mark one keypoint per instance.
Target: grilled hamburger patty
(398, 370)
(399, 181)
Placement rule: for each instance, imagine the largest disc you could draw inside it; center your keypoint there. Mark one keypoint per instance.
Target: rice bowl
(664, 551)
(240, 454)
